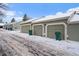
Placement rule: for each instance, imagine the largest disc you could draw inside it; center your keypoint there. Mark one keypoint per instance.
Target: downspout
(68, 21)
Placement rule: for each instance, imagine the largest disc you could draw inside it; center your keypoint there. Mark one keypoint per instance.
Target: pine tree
(13, 20)
(25, 17)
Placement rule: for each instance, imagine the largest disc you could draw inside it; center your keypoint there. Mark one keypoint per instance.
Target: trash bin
(58, 35)
(30, 32)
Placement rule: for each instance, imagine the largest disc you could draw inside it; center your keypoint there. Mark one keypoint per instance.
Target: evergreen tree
(25, 17)
(13, 20)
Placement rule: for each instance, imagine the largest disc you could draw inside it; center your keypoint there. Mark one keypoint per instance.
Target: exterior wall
(16, 26)
(25, 28)
(38, 29)
(9, 27)
(47, 32)
(12, 26)
(73, 32)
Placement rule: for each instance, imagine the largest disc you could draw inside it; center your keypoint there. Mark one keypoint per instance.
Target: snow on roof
(53, 17)
(28, 21)
(58, 16)
(75, 19)
(1, 24)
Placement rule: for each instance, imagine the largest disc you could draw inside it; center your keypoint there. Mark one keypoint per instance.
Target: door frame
(59, 23)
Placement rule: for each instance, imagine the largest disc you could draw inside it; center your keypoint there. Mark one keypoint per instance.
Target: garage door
(51, 29)
(38, 30)
(25, 29)
(73, 32)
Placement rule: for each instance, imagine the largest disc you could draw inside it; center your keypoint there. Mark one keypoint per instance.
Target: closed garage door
(73, 32)
(51, 29)
(38, 30)
(25, 29)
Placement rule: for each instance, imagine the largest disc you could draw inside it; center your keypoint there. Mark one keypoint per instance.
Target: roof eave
(62, 18)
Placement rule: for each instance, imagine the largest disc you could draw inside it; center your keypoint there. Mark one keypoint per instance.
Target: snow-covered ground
(70, 47)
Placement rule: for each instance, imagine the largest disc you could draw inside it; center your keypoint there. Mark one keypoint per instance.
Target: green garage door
(25, 29)
(51, 29)
(38, 30)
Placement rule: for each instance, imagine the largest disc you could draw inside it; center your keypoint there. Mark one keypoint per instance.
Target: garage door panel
(51, 29)
(25, 29)
(73, 32)
(55, 27)
(38, 30)
(51, 35)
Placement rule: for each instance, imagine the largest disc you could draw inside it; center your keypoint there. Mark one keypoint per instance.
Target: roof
(28, 21)
(63, 16)
(53, 17)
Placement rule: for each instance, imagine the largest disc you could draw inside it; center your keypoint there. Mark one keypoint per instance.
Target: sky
(36, 10)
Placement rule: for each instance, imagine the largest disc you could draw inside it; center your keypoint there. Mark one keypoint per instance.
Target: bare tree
(3, 8)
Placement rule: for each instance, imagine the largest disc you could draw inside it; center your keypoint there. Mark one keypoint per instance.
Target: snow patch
(71, 47)
(75, 18)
